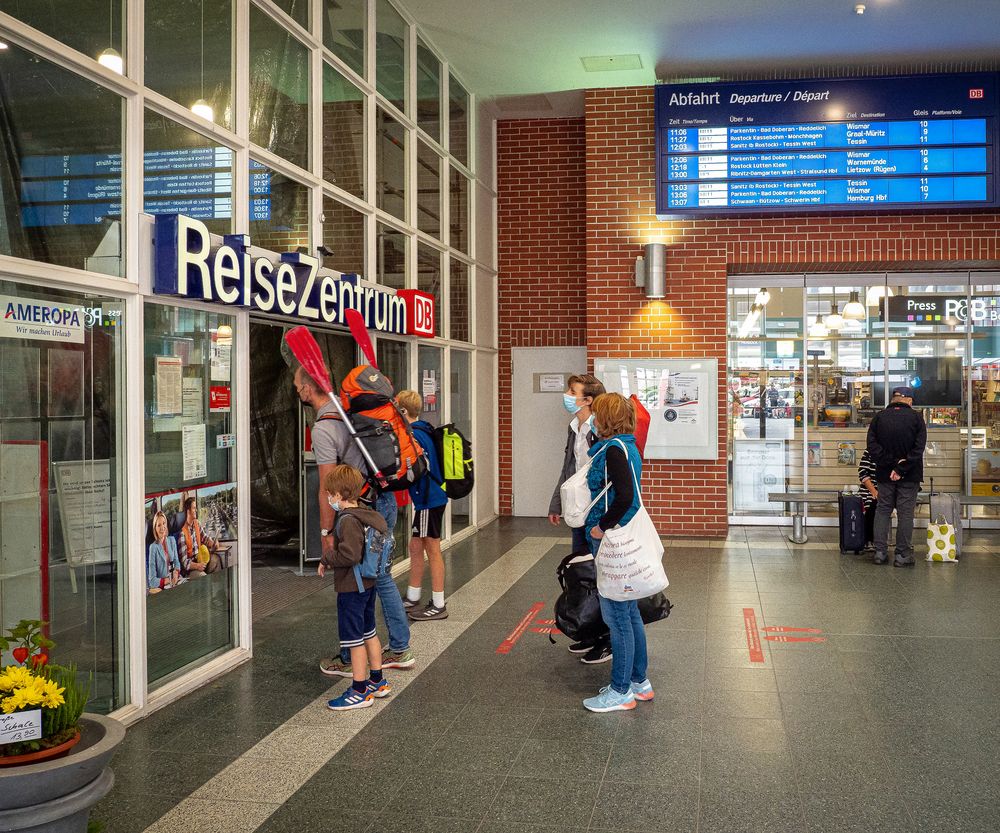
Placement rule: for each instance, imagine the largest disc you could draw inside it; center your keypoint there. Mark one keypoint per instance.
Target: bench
(797, 501)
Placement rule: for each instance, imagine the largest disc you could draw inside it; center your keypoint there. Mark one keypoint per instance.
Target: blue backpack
(377, 560)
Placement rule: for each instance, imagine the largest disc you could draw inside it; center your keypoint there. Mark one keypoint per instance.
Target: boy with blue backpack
(358, 556)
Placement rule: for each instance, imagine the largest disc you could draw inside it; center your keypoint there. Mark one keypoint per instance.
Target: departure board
(86, 189)
(838, 145)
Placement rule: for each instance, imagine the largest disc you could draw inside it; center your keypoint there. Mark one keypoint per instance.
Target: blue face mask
(569, 403)
(334, 504)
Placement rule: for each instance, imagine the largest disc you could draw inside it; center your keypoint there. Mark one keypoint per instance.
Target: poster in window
(815, 453)
(847, 455)
(86, 510)
(168, 385)
(194, 452)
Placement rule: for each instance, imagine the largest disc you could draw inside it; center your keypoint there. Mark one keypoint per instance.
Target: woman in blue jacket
(615, 460)
(163, 567)
(429, 500)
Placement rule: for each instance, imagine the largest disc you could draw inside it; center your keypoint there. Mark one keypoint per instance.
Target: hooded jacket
(427, 492)
(897, 434)
(349, 546)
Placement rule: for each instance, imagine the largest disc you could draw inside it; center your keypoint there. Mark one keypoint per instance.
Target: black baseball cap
(903, 390)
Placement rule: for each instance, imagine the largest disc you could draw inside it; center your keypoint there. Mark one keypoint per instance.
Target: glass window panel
(429, 279)
(394, 362)
(187, 173)
(458, 120)
(428, 91)
(390, 256)
(191, 481)
(60, 166)
(89, 26)
(189, 53)
(459, 214)
(461, 414)
(428, 190)
(429, 379)
(60, 401)
(343, 133)
(297, 10)
(391, 54)
(279, 210)
(279, 90)
(344, 24)
(344, 235)
(982, 468)
(458, 301)
(390, 165)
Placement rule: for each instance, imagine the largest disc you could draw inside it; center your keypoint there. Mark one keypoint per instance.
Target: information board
(860, 144)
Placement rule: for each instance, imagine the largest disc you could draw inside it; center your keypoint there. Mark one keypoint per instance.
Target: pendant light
(750, 321)
(763, 296)
(3, 45)
(833, 320)
(818, 329)
(201, 107)
(111, 57)
(876, 294)
(854, 309)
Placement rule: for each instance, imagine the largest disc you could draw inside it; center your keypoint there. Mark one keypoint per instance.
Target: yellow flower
(52, 696)
(15, 676)
(22, 698)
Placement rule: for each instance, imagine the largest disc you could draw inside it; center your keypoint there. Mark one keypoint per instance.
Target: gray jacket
(568, 467)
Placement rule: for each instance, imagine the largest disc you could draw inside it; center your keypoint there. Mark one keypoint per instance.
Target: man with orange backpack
(333, 444)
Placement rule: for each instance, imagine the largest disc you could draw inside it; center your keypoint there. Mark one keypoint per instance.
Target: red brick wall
(689, 497)
(541, 220)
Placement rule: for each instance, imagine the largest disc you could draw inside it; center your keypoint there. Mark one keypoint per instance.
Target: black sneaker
(581, 647)
(880, 558)
(428, 613)
(409, 604)
(597, 655)
(903, 562)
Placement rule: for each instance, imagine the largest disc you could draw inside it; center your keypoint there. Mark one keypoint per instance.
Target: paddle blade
(360, 332)
(299, 348)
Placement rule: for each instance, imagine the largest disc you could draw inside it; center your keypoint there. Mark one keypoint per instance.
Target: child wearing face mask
(355, 594)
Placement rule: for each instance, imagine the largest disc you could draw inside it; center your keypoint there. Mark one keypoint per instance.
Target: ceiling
(513, 48)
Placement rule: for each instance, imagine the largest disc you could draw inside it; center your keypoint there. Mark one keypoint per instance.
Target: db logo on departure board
(976, 93)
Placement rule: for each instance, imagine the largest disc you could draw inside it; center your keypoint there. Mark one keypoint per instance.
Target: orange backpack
(369, 401)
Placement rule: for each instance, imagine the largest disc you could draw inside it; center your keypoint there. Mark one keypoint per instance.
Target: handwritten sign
(20, 726)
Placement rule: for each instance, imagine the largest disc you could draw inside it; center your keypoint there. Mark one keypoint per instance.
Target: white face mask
(334, 504)
(570, 403)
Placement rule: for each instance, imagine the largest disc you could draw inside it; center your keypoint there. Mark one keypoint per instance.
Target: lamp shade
(854, 309)
(818, 329)
(113, 60)
(204, 109)
(655, 257)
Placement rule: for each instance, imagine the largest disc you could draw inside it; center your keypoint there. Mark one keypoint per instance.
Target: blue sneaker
(609, 700)
(380, 689)
(643, 690)
(351, 699)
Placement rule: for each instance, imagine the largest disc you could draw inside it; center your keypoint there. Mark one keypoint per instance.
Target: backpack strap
(357, 567)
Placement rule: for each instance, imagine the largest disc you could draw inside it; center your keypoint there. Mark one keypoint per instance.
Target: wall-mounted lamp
(651, 270)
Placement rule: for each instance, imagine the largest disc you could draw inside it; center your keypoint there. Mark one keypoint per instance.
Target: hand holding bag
(630, 558)
(941, 541)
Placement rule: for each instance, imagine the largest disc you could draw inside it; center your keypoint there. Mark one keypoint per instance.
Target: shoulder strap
(329, 416)
(357, 567)
(635, 480)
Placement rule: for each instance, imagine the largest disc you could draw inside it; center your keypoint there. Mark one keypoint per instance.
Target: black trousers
(870, 523)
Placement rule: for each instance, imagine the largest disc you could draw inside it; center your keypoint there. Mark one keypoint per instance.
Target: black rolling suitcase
(852, 522)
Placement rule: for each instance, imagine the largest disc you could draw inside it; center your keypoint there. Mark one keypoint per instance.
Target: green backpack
(454, 452)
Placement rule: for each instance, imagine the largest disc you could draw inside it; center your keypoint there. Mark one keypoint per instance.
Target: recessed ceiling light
(859, 8)
(611, 63)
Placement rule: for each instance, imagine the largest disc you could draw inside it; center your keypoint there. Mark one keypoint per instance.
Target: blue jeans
(629, 660)
(581, 540)
(385, 588)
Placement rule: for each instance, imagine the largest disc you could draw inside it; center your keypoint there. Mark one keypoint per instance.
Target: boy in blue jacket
(429, 500)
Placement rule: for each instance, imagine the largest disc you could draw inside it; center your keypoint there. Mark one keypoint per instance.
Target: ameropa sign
(41, 320)
(188, 264)
(944, 309)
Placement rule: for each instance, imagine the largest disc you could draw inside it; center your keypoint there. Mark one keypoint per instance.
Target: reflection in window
(458, 120)
(62, 422)
(297, 10)
(344, 235)
(428, 91)
(190, 505)
(429, 279)
(460, 391)
(188, 53)
(391, 38)
(187, 173)
(94, 27)
(459, 216)
(458, 301)
(343, 133)
(390, 165)
(279, 90)
(429, 382)
(344, 31)
(428, 190)
(60, 166)
(390, 257)
(279, 210)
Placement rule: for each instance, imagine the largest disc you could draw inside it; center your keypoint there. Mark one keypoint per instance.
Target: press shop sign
(944, 309)
(41, 320)
(190, 264)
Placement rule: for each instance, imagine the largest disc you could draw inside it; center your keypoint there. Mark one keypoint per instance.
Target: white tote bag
(630, 558)
(575, 496)
(941, 544)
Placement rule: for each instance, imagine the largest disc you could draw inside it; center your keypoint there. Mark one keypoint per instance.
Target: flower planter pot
(55, 795)
(42, 754)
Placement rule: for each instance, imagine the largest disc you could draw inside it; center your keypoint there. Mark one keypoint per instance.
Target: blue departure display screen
(860, 144)
(86, 189)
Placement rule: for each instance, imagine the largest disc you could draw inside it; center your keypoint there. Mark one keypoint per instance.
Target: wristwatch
(326, 533)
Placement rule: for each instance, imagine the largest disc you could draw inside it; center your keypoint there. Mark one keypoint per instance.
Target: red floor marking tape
(522, 626)
(753, 637)
(545, 621)
(546, 630)
(795, 638)
(783, 629)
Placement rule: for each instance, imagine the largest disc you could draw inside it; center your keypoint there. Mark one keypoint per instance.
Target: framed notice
(682, 397)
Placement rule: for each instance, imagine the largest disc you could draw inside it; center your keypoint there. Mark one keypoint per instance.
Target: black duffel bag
(578, 608)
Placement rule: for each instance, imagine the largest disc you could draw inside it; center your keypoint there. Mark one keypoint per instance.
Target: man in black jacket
(896, 440)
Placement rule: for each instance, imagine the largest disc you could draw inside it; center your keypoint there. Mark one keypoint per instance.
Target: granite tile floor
(888, 722)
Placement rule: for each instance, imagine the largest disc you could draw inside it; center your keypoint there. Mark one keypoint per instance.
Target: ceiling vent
(611, 63)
